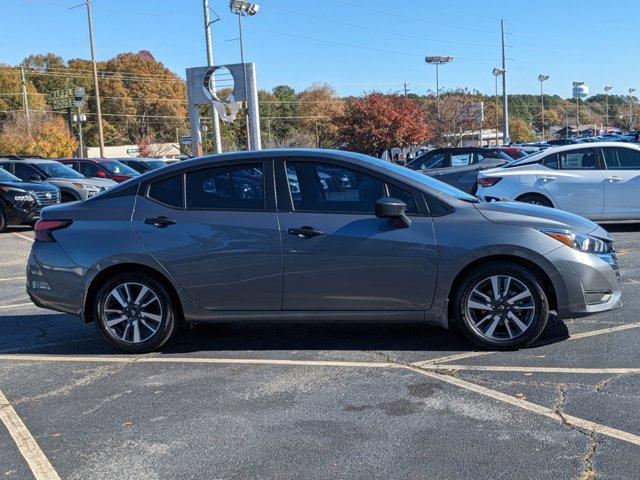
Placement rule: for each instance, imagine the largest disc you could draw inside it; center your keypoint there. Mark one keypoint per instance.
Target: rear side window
(622, 159)
(586, 159)
(168, 191)
(235, 187)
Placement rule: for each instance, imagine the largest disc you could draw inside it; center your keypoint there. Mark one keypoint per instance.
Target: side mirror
(35, 177)
(393, 209)
(101, 174)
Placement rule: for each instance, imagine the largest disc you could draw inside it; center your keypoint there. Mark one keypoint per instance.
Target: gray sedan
(314, 235)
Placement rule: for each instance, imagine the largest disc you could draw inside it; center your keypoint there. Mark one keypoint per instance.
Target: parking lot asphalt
(295, 401)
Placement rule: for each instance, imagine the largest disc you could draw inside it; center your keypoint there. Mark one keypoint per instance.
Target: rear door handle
(305, 232)
(614, 179)
(160, 222)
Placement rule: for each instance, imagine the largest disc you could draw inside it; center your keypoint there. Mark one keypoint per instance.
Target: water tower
(580, 90)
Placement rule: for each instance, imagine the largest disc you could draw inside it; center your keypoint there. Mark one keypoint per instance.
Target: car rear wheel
(135, 313)
(3, 220)
(535, 199)
(501, 306)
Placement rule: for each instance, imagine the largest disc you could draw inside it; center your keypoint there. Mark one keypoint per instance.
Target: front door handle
(548, 179)
(305, 232)
(160, 222)
(614, 179)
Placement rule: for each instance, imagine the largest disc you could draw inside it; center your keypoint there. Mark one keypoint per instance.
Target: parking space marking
(518, 369)
(16, 305)
(603, 331)
(531, 407)
(29, 448)
(22, 236)
(448, 358)
(193, 360)
(10, 279)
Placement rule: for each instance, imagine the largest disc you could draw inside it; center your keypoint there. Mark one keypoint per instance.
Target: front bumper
(54, 281)
(585, 283)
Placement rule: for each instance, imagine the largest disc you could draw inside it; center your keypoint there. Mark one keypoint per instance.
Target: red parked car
(101, 168)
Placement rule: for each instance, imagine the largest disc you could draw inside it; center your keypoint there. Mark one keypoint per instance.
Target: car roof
(534, 157)
(28, 160)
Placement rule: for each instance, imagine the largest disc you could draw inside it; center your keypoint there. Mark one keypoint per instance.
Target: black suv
(459, 166)
(21, 202)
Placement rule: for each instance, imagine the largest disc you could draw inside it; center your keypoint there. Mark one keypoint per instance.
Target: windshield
(7, 177)
(57, 170)
(116, 168)
(155, 164)
(422, 178)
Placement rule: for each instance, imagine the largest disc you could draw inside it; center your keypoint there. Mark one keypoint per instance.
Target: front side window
(89, 169)
(550, 161)
(235, 187)
(622, 159)
(586, 159)
(58, 170)
(319, 187)
(25, 172)
(168, 191)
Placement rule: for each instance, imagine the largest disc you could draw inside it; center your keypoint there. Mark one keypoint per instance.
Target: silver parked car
(73, 185)
(281, 235)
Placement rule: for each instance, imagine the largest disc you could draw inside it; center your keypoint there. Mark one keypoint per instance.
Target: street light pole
(496, 73)
(505, 96)
(95, 77)
(606, 107)
(542, 79)
(437, 61)
(217, 142)
(631, 90)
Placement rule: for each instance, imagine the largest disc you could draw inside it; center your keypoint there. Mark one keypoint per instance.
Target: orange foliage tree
(48, 137)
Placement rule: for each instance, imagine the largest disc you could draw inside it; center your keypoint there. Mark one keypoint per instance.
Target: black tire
(535, 199)
(167, 325)
(3, 220)
(473, 328)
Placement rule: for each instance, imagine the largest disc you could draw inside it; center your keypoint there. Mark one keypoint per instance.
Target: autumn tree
(11, 92)
(45, 135)
(520, 131)
(319, 107)
(377, 122)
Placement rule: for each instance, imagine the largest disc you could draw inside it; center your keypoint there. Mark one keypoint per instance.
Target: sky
(355, 45)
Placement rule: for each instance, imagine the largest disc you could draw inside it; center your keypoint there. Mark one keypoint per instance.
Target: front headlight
(579, 241)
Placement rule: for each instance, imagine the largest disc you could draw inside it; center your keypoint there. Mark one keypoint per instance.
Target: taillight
(44, 229)
(488, 181)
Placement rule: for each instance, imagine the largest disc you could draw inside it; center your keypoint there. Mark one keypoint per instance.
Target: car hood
(536, 216)
(87, 182)
(36, 187)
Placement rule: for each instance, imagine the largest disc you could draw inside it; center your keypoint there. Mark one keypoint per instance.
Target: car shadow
(59, 334)
(621, 227)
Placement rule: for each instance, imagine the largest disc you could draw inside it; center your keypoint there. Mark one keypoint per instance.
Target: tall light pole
(496, 73)
(244, 9)
(505, 97)
(217, 142)
(577, 89)
(437, 61)
(606, 107)
(631, 90)
(542, 79)
(87, 3)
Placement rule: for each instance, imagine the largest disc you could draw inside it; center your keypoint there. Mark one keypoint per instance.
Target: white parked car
(600, 181)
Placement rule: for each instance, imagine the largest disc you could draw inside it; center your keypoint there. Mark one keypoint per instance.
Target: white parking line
(192, 360)
(517, 369)
(22, 236)
(29, 448)
(16, 305)
(12, 278)
(577, 336)
(532, 407)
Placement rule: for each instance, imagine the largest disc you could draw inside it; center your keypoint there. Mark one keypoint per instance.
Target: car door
(215, 230)
(337, 254)
(578, 184)
(621, 182)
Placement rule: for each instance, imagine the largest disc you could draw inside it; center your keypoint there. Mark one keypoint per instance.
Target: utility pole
(505, 100)
(95, 76)
(406, 90)
(631, 90)
(217, 142)
(25, 99)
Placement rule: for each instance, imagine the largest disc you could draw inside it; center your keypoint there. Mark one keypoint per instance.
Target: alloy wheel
(500, 307)
(132, 312)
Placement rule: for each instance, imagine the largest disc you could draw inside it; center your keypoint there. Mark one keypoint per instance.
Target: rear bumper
(585, 284)
(54, 281)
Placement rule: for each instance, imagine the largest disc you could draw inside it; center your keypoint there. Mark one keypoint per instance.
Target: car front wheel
(501, 306)
(135, 313)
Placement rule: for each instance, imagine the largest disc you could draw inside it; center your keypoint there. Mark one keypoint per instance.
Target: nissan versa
(314, 235)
